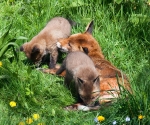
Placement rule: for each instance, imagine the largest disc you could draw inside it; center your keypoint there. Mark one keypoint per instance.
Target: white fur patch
(83, 108)
(45, 52)
(76, 34)
(58, 44)
(63, 49)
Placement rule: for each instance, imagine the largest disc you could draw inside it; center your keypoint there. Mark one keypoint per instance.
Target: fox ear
(96, 80)
(80, 81)
(89, 27)
(21, 48)
(85, 49)
(35, 49)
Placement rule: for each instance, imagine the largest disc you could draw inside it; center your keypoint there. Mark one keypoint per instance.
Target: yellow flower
(1, 64)
(21, 123)
(100, 118)
(29, 120)
(140, 117)
(40, 124)
(36, 116)
(12, 104)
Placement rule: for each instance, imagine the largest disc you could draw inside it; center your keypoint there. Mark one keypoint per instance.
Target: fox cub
(110, 76)
(80, 68)
(45, 42)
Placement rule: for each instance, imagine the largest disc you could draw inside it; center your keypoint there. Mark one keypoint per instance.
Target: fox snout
(62, 49)
(91, 103)
(88, 102)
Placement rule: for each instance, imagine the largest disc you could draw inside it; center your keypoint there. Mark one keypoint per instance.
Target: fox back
(80, 68)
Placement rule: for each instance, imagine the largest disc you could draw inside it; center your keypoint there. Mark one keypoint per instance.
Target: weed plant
(122, 29)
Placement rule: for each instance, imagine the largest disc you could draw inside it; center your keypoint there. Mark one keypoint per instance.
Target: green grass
(123, 32)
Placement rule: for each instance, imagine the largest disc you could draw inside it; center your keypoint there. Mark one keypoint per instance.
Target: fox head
(89, 90)
(34, 52)
(80, 42)
(88, 85)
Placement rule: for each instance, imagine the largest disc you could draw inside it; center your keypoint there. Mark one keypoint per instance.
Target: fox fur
(111, 78)
(45, 41)
(82, 70)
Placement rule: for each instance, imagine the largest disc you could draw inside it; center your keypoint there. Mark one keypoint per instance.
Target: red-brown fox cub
(110, 76)
(45, 42)
(80, 68)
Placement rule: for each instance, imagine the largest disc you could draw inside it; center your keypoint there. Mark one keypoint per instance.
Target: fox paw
(81, 107)
(57, 66)
(77, 107)
(49, 71)
(71, 108)
(88, 108)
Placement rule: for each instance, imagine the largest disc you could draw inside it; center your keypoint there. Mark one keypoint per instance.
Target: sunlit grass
(124, 41)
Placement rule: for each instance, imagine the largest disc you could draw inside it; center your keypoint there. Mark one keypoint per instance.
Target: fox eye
(80, 80)
(69, 44)
(95, 80)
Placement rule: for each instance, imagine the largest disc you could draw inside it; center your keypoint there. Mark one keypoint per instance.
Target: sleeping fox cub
(110, 76)
(45, 41)
(82, 70)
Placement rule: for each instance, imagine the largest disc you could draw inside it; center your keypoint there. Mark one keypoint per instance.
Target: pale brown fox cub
(80, 68)
(45, 41)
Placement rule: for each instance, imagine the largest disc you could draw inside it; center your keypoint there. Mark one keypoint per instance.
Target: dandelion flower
(127, 119)
(114, 123)
(36, 116)
(12, 104)
(100, 118)
(140, 117)
(40, 124)
(1, 64)
(21, 123)
(29, 121)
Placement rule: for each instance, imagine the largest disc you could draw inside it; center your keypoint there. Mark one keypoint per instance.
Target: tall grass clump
(28, 96)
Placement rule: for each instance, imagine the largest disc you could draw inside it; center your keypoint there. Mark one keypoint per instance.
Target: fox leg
(53, 59)
(52, 63)
(68, 79)
(53, 71)
(61, 69)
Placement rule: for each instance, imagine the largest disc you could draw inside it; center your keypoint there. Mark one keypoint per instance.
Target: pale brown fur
(45, 41)
(110, 76)
(80, 68)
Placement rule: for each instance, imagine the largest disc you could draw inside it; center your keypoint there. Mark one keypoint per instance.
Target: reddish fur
(108, 72)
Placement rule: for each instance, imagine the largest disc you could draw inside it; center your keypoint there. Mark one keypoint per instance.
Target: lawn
(28, 96)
